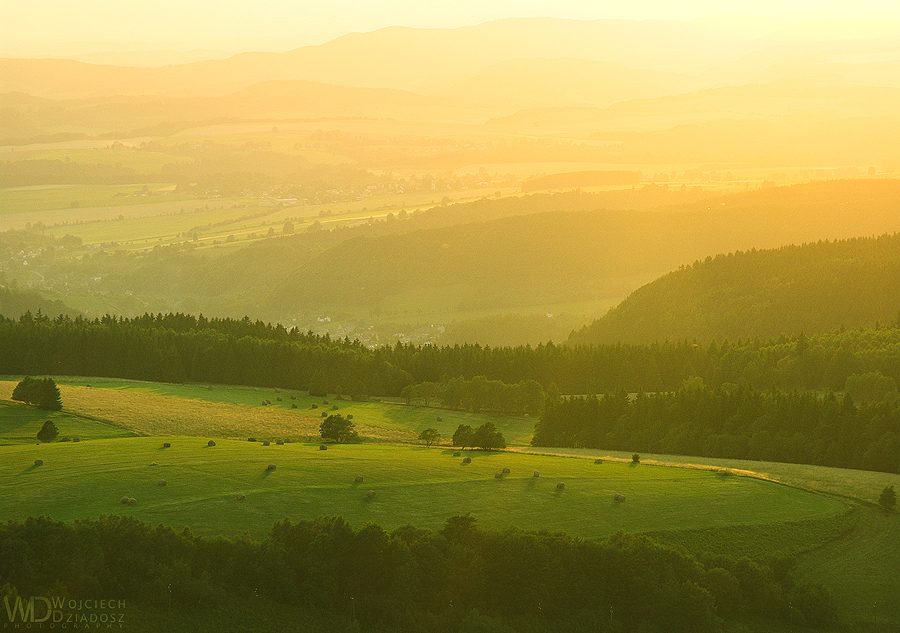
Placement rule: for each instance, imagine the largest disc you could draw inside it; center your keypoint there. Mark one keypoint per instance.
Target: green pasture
(395, 415)
(412, 485)
(20, 424)
(72, 198)
(141, 162)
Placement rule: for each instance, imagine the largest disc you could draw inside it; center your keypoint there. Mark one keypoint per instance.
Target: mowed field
(825, 517)
(412, 485)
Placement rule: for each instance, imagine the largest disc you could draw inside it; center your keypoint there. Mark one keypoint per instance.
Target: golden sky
(28, 27)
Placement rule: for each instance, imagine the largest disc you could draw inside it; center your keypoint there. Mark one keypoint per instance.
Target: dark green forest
(766, 293)
(460, 578)
(767, 400)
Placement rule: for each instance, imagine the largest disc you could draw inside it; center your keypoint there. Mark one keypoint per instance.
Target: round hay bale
(123, 500)
(349, 416)
(211, 443)
(279, 442)
(293, 397)
(324, 401)
(505, 471)
(239, 497)
(537, 474)
(440, 419)
(278, 399)
(266, 442)
(467, 460)
(293, 405)
(457, 454)
(270, 467)
(167, 444)
(560, 486)
(251, 439)
(324, 414)
(265, 402)
(76, 439)
(598, 461)
(322, 447)
(618, 497)
(370, 494)
(498, 475)
(161, 483)
(278, 391)
(39, 462)
(334, 407)
(358, 479)
(132, 501)
(315, 406)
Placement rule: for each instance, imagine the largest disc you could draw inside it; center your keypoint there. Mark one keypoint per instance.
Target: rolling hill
(811, 288)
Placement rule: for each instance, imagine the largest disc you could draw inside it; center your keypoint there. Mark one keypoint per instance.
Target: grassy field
(717, 506)
(412, 484)
(237, 412)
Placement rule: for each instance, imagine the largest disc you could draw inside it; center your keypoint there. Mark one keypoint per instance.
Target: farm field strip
(413, 485)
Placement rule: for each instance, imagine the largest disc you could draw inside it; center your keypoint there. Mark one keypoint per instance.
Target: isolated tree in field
(48, 432)
(488, 437)
(41, 392)
(888, 499)
(337, 428)
(635, 459)
(462, 437)
(429, 436)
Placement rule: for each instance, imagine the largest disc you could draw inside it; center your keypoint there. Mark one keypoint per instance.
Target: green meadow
(412, 485)
(824, 517)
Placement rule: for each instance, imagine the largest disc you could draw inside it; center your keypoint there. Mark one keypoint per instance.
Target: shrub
(338, 429)
(888, 499)
(41, 392)
(635, 459)
(48, 432)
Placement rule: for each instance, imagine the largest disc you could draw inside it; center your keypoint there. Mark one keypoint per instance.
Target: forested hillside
(812, 288)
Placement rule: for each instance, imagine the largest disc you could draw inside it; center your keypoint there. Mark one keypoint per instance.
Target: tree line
(179, 347)
(731, 421)
(457, 578)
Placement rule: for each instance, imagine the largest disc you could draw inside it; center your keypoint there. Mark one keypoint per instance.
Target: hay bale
(334, 407)
(266, 442)
(537, 474)
(457, 454)
(322, 447)
(270, 467)
(358, 479)
(124, 500)
(265, 402)
(349, 416)
(293, 405)
(278, 398)
(239, 497)
(167, 444)
(76, 439)
(211, 443)
(467, 460)
(293, 397)
(279, 442)
(505, 471)
(324, 414)
(39, 462)
(498, 475)
(440, 419)
(618, 497)
(370, 494)
(324, 401)
(161, 483)
(132, 501)
(251, 439)
(315, 406)
(560, 486)
(598, 461)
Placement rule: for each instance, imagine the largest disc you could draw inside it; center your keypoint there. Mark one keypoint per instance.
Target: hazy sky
(27, 26)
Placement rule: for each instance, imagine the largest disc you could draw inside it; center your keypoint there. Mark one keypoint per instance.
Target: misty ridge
(502, 183)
